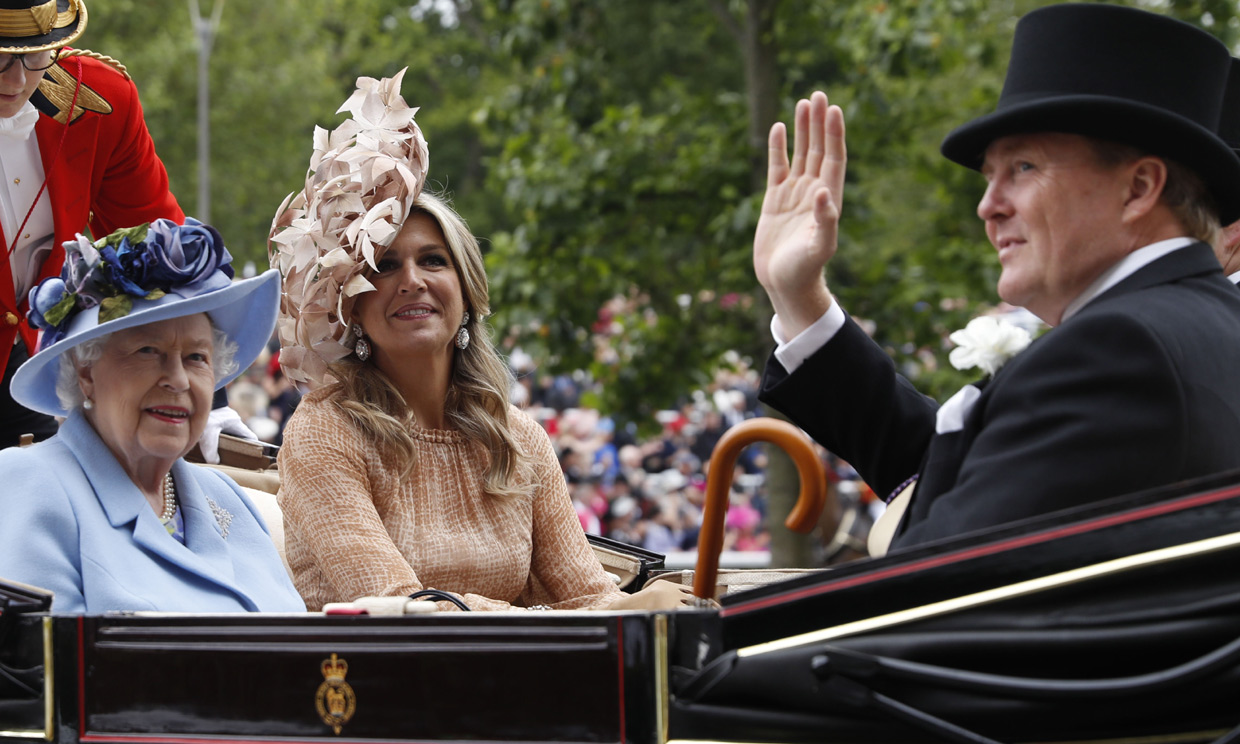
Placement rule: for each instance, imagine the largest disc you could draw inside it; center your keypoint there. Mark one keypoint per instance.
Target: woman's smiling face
(151, 390)
(417, 306)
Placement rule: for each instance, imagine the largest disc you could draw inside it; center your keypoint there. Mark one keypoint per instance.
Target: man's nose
(993, 203)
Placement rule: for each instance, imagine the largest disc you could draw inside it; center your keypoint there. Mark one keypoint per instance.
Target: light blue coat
(73, 522)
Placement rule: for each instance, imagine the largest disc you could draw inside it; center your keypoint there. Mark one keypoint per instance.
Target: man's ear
(1146, 180)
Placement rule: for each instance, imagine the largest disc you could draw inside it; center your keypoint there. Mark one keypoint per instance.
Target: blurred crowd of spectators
(264, 397)
(648, 491)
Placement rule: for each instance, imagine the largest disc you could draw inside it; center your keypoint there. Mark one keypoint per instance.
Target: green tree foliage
(278, 68)
(625, 163)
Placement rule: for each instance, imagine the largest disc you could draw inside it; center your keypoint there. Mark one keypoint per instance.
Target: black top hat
(35, 25)
(1117, 74)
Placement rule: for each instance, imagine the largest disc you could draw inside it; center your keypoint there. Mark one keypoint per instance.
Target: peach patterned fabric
(353, 528)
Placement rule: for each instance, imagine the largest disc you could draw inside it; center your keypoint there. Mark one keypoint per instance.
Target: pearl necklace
(170, 499)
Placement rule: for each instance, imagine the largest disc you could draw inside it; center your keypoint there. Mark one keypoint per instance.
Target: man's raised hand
(797, 231)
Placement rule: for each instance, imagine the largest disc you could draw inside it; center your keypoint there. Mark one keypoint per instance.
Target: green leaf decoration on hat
(117, 306)
(60, 310)
(136, 234)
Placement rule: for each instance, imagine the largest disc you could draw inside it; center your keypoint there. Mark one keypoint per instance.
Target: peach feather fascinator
(361, 185)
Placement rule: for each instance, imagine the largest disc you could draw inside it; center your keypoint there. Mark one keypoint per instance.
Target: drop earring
(462, 335)
(362, 347)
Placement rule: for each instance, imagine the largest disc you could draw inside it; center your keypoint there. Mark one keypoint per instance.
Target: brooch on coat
(223, 517)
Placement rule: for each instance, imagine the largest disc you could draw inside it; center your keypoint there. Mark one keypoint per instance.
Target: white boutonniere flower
(986, 343)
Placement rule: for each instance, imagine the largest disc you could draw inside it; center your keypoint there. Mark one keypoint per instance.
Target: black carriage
(1119, 621)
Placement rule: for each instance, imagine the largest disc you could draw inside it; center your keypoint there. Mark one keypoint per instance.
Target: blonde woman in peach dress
(407, 469)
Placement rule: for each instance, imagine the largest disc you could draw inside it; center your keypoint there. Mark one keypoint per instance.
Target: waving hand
(797, 231)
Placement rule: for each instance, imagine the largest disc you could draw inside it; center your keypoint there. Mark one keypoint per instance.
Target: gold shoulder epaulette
(96, 55)
(58, 85)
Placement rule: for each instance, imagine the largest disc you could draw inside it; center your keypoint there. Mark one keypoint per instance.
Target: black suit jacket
(1136, 390)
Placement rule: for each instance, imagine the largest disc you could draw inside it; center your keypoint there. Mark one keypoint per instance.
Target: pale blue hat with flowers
(136, 276)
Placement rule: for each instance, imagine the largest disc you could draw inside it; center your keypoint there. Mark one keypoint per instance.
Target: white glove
(221, 420)
(380, 606)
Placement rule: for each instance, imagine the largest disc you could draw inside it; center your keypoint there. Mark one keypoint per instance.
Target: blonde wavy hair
(477, 402)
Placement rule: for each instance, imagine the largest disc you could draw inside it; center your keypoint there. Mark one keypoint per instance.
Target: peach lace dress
(354, 528)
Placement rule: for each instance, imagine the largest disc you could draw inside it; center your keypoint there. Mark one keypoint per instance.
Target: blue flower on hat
(79, 273)
(183, 256)
(116, 274)
(144, 262)
(50, 298)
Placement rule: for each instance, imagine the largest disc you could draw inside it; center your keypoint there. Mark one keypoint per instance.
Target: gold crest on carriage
(334, 699)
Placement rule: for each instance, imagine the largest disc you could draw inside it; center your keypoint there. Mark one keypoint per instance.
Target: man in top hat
(1106, 182)
(74, 152)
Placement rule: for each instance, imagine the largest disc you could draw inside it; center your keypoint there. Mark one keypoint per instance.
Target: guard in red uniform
(74, 153)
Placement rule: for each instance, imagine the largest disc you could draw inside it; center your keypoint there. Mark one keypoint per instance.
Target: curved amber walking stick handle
(719, 483)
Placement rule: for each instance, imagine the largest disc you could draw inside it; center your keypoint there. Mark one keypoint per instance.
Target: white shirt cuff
(792, 354)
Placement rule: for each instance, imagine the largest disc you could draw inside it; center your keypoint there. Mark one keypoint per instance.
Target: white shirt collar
(1122, 269)
(1234, 277)
(20, 125)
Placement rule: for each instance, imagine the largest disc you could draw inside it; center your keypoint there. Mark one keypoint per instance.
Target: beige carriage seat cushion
(884, 530)
(270, 509)
(258, 480)
(622, 567)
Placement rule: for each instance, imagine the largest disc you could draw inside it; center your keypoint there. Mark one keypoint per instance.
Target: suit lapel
(940, 468)
(939, 471)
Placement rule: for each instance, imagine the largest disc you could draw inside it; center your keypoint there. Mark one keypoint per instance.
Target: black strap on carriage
(854, 693)
(859, 665)
(842, 670)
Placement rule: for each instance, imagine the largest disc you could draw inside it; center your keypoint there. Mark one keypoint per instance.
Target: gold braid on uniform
(58, 86)
(96, 55)
(37, 20)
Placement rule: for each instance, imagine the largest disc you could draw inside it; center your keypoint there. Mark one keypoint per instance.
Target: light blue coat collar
(125, 506)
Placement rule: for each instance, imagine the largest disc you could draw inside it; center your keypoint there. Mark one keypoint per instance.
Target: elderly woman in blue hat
(138, 331)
